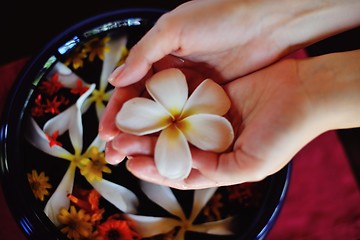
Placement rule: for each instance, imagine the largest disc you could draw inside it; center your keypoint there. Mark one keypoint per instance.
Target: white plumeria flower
(100, 95)
(197, 119)
(148, 226)
(111, 58)
(70, 120)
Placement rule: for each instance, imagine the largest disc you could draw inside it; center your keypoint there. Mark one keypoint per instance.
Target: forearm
(332, 83)
(306, 22)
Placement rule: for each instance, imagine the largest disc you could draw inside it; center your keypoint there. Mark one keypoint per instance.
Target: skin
(278, 105)
(275, 112)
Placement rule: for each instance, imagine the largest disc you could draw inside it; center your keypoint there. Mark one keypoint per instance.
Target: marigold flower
(76, 223)
(97, 47)
(76, 58)
(117, 229)
(197, 119)
(39, 184)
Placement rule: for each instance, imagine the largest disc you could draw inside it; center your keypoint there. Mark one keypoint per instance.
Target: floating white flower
(148, 226)
(197, 119)
(102, 93)
(70, 121)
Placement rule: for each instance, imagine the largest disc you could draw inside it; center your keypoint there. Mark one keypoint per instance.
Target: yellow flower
(76, 223)
(76, 58)
(95, 164)
(39, 184)
(96, 47)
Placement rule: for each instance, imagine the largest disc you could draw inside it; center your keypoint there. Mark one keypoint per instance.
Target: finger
(158, 42)
(112, 156)
(107, 125)
(143, 167)
(190, 69)
(130, 145)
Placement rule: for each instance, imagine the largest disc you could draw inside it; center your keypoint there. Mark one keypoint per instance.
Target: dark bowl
(32, 170)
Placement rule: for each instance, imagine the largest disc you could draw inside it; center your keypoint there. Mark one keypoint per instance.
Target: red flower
(80, 88)
(51, 86)
(37, 110)
(52, 139)
(52, 106)
(89, 201)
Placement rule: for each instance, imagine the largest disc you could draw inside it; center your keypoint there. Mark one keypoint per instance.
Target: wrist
(332, 85)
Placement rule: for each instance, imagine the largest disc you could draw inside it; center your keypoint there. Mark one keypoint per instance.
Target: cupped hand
(269, 114)
(195, 73)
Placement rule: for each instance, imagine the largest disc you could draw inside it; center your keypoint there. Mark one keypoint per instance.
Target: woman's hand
(236, 37)
(275, 112)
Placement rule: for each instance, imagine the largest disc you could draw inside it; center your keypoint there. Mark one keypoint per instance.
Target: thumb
(158, 42)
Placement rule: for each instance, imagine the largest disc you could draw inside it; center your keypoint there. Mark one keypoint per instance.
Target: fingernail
(128, 163)
(116, 74)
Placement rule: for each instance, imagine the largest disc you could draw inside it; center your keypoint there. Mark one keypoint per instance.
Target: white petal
(207, 131)
(201, 197)
(172, 154)
(86, 105)
(142, 116)
(61, 122)
(66, 77)
(111, 58)
(70, 119)
(148, 226)
(208, 97)
(62, 69)
(169, 88)
(99, 143)
(119, 196)
(35, 136)
(164, 197)
(100, 107)
(221, 227)
(59, 198)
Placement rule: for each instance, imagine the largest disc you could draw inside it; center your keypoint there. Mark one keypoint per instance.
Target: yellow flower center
(98, 95)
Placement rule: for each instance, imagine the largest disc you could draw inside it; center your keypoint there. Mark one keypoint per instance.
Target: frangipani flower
(148, 226)
(197, 119)
(71, 121)
(111, 58)
(115, 53)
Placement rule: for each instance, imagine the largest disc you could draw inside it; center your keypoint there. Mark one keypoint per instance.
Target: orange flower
(89, 201)
(117, 229)
(76, 58)
(39, 184)
(97, 47)
(76, 223)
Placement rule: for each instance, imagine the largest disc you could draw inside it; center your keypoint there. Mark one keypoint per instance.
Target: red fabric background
(323, 200)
